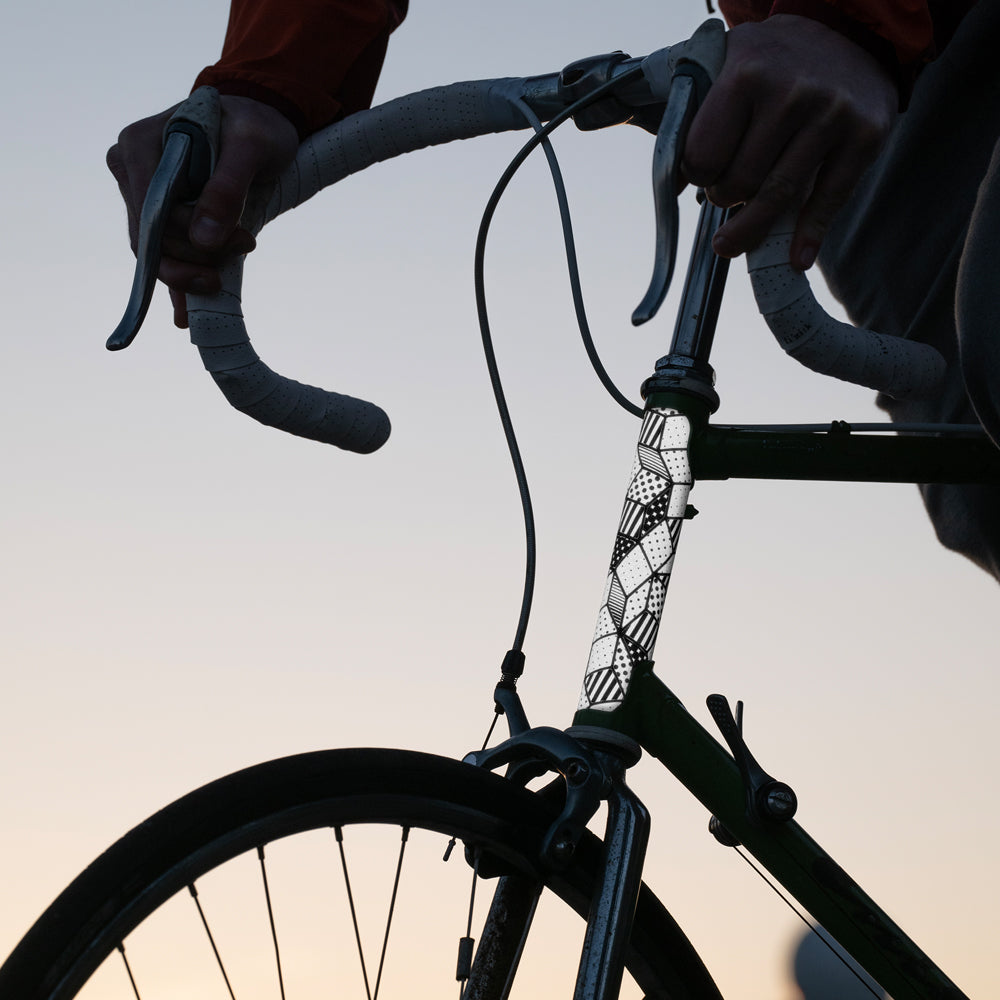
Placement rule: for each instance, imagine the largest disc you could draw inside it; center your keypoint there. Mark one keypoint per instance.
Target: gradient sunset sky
(186, 592)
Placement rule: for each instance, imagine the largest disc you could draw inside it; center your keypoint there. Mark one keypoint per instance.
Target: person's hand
(796, 116)
(256, 143)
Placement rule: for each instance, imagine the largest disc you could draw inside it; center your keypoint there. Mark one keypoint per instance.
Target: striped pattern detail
(603, 687)
(629, 617)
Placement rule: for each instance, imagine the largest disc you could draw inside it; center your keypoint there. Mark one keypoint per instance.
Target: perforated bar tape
(217, 327)
(901, 368)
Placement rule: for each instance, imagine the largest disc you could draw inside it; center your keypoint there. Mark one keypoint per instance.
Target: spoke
(128, 969)
(211, 940)
(392, 904)
(405, 834)
(270, 917)
(354, 916)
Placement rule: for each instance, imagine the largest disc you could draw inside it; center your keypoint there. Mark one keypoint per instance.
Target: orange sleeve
(314, 60)
(905, 25)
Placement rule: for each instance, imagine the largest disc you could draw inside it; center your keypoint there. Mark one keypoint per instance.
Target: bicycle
(512, 829)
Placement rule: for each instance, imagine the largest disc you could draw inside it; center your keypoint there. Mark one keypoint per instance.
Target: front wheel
(340, 873)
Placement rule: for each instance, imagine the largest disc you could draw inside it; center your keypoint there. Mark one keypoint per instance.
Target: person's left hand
(256, 143)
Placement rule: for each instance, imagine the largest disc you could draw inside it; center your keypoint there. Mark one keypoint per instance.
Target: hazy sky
(186, 592)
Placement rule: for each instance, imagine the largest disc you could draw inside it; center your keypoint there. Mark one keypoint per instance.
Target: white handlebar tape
(900, 368)
(219, 333)
(217, 328)
(415, 121)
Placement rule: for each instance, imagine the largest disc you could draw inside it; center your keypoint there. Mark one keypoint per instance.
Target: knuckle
(692, 163)
(125, 138)
(779, 191)
(809, 95)
(113, 159)
(753, 72)
(861, 127)
(727, 194)
(822, 210)
(871, 135)
(698, 171)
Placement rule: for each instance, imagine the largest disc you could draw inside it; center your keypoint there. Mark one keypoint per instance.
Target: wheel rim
(294, 807)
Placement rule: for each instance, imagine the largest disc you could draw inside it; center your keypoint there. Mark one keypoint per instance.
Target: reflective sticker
(643, 558)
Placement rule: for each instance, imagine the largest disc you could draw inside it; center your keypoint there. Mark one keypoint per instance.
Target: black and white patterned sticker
(643, 557)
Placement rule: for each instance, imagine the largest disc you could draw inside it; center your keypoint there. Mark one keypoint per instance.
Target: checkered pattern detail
(643, 557)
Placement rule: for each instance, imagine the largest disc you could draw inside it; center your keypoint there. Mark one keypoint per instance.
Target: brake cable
(539, 138)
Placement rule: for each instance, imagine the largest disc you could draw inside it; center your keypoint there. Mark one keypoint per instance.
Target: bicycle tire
(336, 788)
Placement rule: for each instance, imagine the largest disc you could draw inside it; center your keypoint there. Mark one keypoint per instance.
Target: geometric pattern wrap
(643, 559)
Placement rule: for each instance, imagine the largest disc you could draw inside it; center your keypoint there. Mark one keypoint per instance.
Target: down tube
(655, 508)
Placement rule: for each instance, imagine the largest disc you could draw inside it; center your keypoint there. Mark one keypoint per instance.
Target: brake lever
(683, 75)
(190, 140)
(682, 102)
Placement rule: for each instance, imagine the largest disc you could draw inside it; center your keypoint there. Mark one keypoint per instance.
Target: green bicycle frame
(677, 446)
(622, 693)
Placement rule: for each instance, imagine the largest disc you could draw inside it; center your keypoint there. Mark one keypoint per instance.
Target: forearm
(315, 61)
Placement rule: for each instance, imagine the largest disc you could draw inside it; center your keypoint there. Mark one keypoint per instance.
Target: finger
(257, 143)
(179, 301)
(219, 208)
(192, 269)
(761, 148)
(715, 134)
(834, 184)
(187, 268)
(749, 227)
(183, 276)
(116, 165)
(133, 160)
(176, 244)
(785, 188)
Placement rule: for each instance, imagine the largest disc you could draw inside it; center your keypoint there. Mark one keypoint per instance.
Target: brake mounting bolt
(780, 801)
(562, 850)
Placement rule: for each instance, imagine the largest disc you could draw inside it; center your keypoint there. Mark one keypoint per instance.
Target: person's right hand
(256, 143)
(796, 116)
